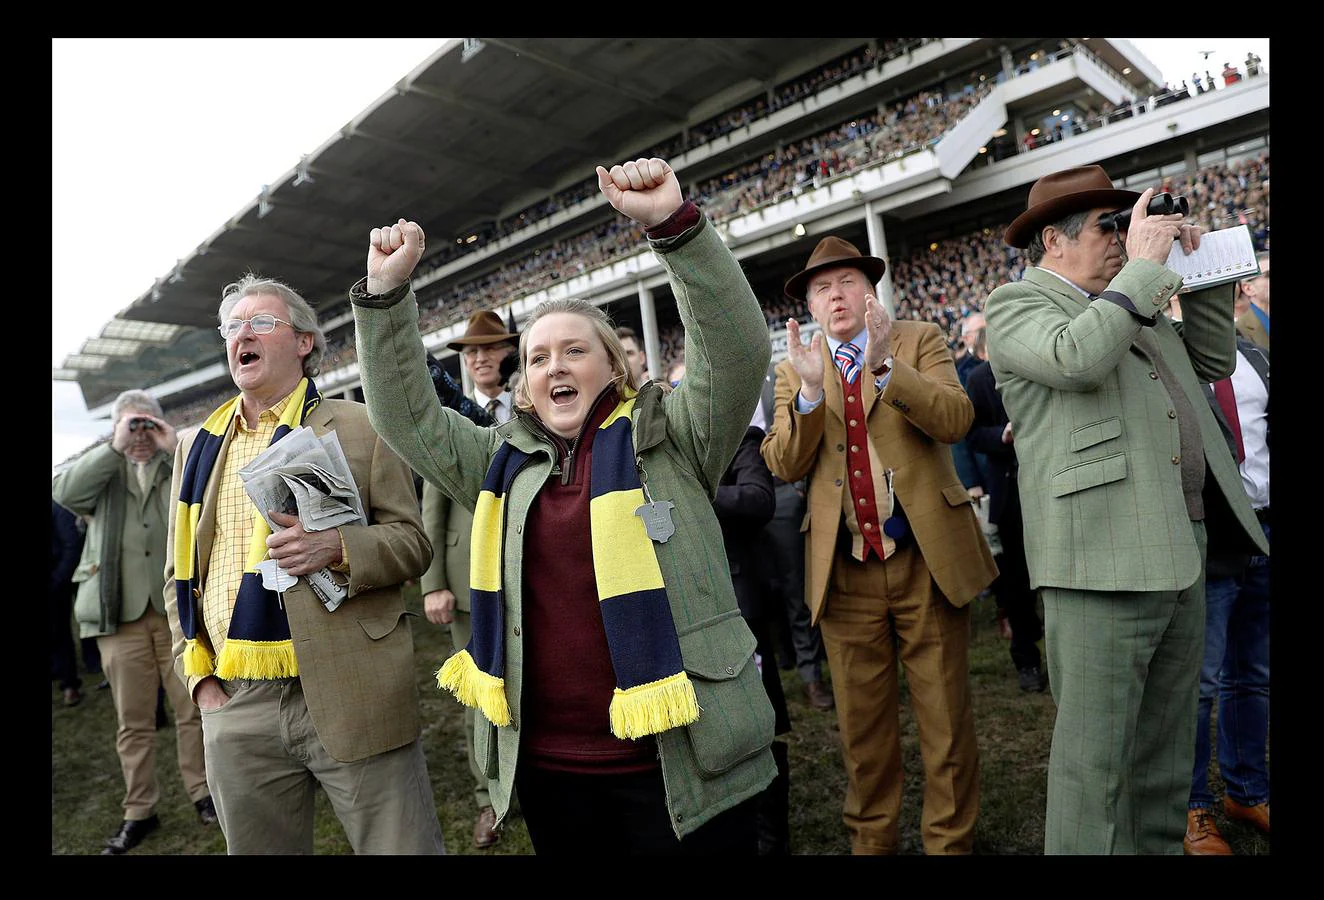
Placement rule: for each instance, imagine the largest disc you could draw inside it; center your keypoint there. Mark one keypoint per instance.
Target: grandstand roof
(477, 132)
(466, 137)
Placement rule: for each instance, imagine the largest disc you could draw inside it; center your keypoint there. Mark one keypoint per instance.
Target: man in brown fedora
(1116, 486)
(894, 553)
(483, 347)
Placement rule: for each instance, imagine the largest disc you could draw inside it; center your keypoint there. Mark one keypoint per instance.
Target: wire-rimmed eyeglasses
(262, 323)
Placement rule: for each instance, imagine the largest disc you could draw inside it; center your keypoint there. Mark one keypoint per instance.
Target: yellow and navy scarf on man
(652, 691)
(258, 643)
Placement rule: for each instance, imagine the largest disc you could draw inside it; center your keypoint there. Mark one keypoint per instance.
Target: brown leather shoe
(1256, 816)
(485, 831)
(820, 695)
(1202, 837)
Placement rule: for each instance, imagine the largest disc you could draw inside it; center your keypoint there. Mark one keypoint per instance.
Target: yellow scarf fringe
(473, 687)
(197, 658)
(257, 659)
(654, 707)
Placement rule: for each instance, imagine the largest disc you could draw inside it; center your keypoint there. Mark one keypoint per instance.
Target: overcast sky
(157, 142)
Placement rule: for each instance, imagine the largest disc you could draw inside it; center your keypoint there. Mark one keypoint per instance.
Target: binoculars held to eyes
(1159, 205)
(141, 424)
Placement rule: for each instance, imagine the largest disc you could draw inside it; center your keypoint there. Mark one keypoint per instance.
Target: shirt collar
(859, 341)
(273, 412)
(1084, 293)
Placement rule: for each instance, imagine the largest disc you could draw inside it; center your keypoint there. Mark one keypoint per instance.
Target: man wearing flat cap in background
(483, 347)
(894, 553)
(1121, 465)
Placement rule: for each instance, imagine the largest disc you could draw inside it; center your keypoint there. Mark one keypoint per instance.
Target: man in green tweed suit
(1111, 432)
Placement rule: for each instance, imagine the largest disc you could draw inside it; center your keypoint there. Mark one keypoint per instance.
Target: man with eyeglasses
(122, 488)
(487, 349)
(293, 695)
(1121, 463)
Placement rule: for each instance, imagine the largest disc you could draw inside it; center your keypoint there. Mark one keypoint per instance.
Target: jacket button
(1172, 414)
(730, 670)
(837, 482)
(1154, 375)
(147, 553)
(1176, 460)
(147, 525)
(841, 447)
(516, 631)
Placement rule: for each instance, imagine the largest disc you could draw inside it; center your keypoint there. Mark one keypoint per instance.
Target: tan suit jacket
(921, 411)
(356, 665)
(1252, 328)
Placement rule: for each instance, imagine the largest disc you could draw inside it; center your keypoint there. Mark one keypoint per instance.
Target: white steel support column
(648, 318)
(878, 247)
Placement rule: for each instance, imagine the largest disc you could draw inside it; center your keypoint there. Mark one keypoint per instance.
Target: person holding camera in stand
(122, 487)
(1121, 464)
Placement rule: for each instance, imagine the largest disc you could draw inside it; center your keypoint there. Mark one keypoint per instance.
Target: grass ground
(1014, 730)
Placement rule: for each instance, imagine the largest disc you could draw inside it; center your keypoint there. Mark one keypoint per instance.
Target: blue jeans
(1236, 663)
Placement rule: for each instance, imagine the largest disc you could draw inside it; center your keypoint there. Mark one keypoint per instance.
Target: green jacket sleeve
(441, 445)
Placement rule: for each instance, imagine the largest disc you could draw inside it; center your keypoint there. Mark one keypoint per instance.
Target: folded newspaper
(306, 476)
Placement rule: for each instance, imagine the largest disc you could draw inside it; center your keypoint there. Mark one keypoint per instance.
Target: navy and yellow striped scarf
(258, 643)
(652, 691)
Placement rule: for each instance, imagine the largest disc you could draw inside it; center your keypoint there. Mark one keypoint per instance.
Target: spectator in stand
(66, 548)
(294, 694)
(1079, 347)
(634, 352)
(1254, 323)
(784, 537)
(484, 348)
(1252, 64)
(121, 487)
(613, 751)
(1230, 75)
(884, 581)
(993, 435)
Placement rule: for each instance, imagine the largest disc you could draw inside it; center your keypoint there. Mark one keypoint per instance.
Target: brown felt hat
(484, 327)
(1056, 196)
(833, 251)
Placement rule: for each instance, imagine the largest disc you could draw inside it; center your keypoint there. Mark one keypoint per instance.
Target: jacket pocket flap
(956, 495)
(85, 571)
(736, 720)
(1088, 474)
(452, 538)
(1097, 433)
(718, 649)
(378, 627)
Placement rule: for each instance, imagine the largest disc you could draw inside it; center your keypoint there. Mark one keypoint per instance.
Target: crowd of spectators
(779, 97)
(941, 283)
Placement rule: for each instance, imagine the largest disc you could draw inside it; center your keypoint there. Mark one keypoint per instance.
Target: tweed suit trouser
(265, 761)
(137, 660)
(461, 630)
(873, 610)
(1124, 668)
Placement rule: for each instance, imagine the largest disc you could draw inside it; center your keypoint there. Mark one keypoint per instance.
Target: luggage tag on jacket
(656, 515)
(276, 579)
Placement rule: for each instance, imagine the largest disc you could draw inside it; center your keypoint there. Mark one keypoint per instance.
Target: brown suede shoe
(1256, 816)
(820, 695)
(485, 833)
(1202, 837)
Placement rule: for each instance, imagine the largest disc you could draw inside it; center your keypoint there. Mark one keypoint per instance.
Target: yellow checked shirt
(234, 524)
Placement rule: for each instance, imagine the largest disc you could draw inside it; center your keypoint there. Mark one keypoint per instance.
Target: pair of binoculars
(141, 424)
(1159, 205)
